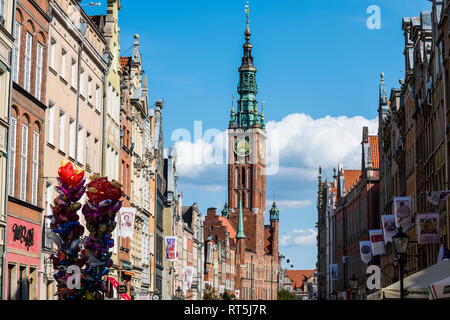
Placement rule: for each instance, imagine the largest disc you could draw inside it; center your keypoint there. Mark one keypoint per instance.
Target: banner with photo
(187, 275)
(126, 222)
(377, 241)
(403, 216)
(333, 271)
(436, 197)
(365, 251)
(237, 294)
(428, 228)
(171, 248)
(389, 227)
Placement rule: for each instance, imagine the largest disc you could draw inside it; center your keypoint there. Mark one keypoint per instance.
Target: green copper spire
(225, 211)
(240, 231)
(247, 111)
(274, 213)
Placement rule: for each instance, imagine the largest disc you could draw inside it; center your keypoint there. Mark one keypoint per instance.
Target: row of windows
(25, 157)
(85, 153)
(28, 61)
(74, 75)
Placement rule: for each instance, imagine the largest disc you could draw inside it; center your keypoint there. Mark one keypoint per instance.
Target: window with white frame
(12, 155)
(96, 162)
(82, 84)
(51, 123)
(73, 81)
(35, 168)
(72, 134)
(90, 90)
(62, 130)
(80, 144)
(63, 64)
(88, 151)
(52, 53)
(98, 97)
(17, 52)
(27, 61)
(39, 52)
(24, 163)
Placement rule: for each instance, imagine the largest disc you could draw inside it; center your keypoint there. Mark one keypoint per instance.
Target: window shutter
(23, 163)
(12, 155)
(27, 62)
(62, 131)
(39, 71)
(35, 172)
(17, 52)
(51, 124)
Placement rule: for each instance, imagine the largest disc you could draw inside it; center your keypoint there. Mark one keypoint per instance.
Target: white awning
(440, 289)
(417, 285)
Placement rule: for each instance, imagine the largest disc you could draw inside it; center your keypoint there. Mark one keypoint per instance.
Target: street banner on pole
(436, 197)
(366, 251)
(126, 222)
(402, 207)
(428, 230)
(187, 277)
(333, 271)
(389, 227)
(171, 248)
(377, 241)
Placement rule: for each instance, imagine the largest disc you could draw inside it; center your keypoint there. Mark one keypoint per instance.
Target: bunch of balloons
(67, 230)
(91, 255)
(100, 215)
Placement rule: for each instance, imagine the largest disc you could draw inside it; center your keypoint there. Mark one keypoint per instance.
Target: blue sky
(318, 72)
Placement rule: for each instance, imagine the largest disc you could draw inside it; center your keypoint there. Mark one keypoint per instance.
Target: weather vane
(247, 8)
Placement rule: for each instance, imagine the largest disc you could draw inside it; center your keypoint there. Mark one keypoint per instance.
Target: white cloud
(298, 238)
(302, 143)
(306, 143)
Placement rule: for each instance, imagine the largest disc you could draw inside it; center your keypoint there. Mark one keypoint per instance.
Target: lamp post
(353, 284)
(400, 241)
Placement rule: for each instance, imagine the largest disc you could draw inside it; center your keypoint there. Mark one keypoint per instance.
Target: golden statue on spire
(247, 11)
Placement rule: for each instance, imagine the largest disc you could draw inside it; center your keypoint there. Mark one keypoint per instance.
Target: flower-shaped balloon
(72, 175)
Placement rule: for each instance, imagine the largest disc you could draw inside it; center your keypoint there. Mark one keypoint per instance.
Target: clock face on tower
(261, 150)
(242, 147)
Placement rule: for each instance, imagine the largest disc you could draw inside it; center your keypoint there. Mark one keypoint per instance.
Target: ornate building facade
(255, 242)
(7, 23)
(27, 121)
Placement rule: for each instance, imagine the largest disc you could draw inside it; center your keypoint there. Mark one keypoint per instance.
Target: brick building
(73, 119)
(304, 283)
(7, 23)
(25, 206)
(356, 213)
(256, 243)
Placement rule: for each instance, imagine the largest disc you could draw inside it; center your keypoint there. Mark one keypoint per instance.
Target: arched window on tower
(237, 178)
(249, 178)
(244, 185)
(243, 200)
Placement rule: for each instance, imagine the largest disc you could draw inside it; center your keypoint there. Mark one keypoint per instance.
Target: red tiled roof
(299, 276)
(351, 178)
(374, 151)
(124, 61)
(226, 223)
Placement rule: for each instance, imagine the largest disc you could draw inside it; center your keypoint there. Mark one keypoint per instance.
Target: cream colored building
(6, 44)
(143, 173)
(108, 25)
(74, 118)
